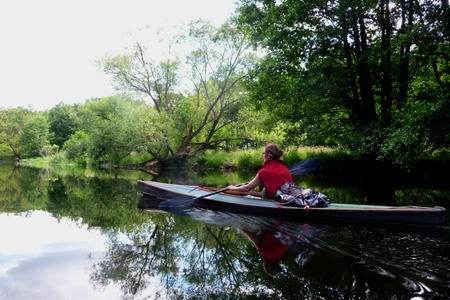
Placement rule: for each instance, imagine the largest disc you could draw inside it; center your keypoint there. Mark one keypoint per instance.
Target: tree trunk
(386, 79)
(407, 9)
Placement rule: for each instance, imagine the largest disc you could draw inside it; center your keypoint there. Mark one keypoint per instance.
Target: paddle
(186, 201)
(304, 167)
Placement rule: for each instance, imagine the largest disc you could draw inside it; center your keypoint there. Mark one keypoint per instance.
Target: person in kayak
(272, 176)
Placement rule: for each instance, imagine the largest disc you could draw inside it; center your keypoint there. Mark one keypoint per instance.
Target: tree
(218, 65)
(76, 146)
(62, 123)
(112, 128)
(346, 72)
(217, 59)
(12, 123)
(35, 136)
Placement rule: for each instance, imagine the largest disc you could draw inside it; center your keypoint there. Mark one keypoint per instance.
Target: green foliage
(293, 155)
(5, 151)
(213, 159)
(60, 158)
(35, 136)
(116, 126)
(442, 154)
(420, 129)
(242, 159)
(186, 116)
(307, 84)
(219, 178)
(249, 159)
(136, 158)
(76, 147)
(383, 98)
(49, 150)
(197, 117)
(255, 128)
(12, 122)
(62, 121)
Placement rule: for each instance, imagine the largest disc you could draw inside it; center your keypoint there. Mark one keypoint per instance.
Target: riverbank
(336, 165)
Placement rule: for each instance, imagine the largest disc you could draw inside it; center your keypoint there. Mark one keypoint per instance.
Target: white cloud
(30, 233)
(45, 258)
(49, 47)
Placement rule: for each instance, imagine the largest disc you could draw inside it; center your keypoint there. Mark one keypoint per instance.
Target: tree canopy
(200, 99)
(371, 76)
(12, 122)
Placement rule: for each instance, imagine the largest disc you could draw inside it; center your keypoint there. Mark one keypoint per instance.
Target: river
(77, 233)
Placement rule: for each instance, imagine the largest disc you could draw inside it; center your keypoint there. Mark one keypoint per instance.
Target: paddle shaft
(210, 194)
(186, 201)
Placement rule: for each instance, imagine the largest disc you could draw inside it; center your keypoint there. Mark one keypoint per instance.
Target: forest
(371, 78)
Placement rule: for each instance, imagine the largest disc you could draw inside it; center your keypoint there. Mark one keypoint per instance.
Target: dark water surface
(74, 233)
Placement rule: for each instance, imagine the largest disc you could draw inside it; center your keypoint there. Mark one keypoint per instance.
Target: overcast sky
(49, 47)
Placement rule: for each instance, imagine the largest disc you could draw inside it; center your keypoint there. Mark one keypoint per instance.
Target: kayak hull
(402, 215)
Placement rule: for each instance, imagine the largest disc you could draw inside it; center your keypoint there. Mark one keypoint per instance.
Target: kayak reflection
(217, 251)
(271, 237)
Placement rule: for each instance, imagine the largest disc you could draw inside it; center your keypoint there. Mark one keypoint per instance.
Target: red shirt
(272, 249)
(273, 175)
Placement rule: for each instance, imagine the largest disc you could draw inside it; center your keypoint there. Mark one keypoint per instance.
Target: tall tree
(345, 71)
(62, 123)
(217, 59)
(12, 122)
(35, 135)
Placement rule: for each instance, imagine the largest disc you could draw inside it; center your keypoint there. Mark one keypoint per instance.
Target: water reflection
(271, 237)
(42, 257)
(76, 233)
(312, 260)
(272, 245)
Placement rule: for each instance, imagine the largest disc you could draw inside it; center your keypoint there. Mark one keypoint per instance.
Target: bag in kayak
(294, 195)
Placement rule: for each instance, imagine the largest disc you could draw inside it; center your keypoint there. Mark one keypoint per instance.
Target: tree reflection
(183, 258)
(130, 264)
(206, 254)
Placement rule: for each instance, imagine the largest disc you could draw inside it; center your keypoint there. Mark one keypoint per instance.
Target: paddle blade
(178, 203)
(305, 166)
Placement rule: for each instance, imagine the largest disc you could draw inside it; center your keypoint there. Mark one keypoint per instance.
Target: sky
(49, 48)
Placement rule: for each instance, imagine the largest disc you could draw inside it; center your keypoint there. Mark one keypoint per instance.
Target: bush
(136, 158)
(213, 159)
(60, 158)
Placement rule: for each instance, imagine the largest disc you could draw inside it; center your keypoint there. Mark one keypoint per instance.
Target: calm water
(78, 234)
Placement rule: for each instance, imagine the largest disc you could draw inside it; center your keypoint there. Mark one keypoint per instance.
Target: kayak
(252, 203)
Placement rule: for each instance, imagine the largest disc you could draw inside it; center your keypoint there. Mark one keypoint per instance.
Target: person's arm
(247, 187)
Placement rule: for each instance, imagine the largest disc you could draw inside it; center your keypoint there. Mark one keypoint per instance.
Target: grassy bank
(336, 164)
(251, 159)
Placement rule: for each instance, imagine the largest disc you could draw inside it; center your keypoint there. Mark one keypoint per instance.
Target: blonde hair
(274, 151)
